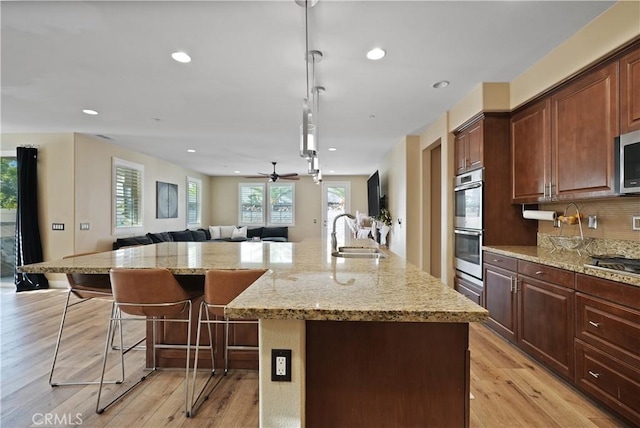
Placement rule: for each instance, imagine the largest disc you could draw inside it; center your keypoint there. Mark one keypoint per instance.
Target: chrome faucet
(334, 241)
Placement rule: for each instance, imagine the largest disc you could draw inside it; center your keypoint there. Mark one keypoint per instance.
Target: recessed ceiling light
(376, 54)
(90, 112)
(191, 151)
(181, 57)
(332, 171)
(441, 84)
(332, 149)
(236, 172)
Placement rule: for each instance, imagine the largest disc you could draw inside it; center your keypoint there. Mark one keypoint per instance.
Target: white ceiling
(239, 102)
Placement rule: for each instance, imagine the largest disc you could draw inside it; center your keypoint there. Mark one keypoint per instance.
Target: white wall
(74, 186)
(308, 201)
(93, 169)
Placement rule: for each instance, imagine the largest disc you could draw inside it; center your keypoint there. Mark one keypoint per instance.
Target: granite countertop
(563, 259)
(303, 281)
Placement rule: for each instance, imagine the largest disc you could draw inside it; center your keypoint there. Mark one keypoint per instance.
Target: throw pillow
(181, 235)
(239, 232)
(254, 232)
(226, 231)
(198, 235)
(207, 234)
(215, 232)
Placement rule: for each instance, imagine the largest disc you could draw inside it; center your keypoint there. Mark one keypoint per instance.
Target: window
(272, 204)
(251, 197)
(8, 209)
(281, 210)
(128, 190)
(194, 202)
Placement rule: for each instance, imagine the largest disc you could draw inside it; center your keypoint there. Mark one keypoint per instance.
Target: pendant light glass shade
(314, 165)
(308, 139)
(307, 145)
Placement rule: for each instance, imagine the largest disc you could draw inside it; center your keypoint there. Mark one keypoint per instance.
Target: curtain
(28, 244)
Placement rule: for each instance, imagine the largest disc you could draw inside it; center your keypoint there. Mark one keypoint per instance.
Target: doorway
(432, 209)
(336, 200)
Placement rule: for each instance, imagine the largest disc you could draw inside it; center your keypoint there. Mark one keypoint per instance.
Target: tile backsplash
(614, 219)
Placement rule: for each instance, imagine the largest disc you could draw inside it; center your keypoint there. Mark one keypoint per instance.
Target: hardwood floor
(509, 389)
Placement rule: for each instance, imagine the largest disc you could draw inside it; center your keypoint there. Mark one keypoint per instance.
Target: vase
(384, 230)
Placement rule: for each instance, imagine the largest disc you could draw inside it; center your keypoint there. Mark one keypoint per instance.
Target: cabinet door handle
(475, 163)
(539, 272)
(497, 260)
(595, 324)
(596, 375)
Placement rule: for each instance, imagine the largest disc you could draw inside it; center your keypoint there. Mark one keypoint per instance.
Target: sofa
(211, 234)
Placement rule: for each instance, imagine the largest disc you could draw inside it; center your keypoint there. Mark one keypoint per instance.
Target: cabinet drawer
(609, 380)
(616, 292)
(504, 262)
(610, 327)
(470, 290)
(547, 273)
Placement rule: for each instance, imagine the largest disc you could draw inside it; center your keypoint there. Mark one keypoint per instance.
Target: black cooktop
(616, 262)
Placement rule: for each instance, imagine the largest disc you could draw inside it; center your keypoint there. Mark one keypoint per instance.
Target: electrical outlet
(57, 226)
(593, 221)
(281, 365)
(635, 222)
(84, 226)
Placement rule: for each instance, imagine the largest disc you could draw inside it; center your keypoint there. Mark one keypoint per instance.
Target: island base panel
(386, 374)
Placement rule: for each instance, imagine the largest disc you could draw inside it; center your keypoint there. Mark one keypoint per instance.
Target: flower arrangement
(385, 217)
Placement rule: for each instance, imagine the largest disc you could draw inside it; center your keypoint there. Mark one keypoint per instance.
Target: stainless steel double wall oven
(468, 208)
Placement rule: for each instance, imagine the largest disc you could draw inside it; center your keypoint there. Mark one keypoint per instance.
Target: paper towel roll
(539, 215)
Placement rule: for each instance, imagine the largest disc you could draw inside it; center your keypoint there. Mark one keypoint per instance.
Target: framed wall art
(166, 200)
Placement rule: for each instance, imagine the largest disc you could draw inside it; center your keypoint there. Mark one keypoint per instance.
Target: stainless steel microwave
(627, 165)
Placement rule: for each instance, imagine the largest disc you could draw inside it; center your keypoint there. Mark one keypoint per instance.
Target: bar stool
(220, 288)
(85, 287)
(148, 295)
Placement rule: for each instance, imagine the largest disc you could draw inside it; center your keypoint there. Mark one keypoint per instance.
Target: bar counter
(375, 342)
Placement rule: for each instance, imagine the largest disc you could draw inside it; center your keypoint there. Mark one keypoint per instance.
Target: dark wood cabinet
(469, 289)
(546, 308)
(499, 273)
(584, 124)
(607, 344)
(563, 145)
(630, 92)
(532, 306)
(586, 329)
(531, 153)
(468, 147)
(609, 381)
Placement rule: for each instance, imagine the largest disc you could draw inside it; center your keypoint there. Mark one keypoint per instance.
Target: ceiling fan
(274, 176)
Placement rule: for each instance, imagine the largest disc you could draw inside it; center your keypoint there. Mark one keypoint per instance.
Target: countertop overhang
(303, 280)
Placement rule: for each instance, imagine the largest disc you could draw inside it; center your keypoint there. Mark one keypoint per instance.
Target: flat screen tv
(373, 194)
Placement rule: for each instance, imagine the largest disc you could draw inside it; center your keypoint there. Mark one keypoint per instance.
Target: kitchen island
(375, 342)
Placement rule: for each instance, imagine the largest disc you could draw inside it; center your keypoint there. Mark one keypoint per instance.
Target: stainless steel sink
(359, 253)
